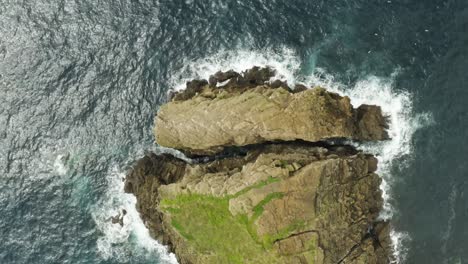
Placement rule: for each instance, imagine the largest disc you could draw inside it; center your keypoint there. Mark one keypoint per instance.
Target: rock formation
(204, 118)
(269, 188)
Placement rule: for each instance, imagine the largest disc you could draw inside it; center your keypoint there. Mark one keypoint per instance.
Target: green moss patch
(269, 239)
(259, 185)
(258, 209)
(208, 226)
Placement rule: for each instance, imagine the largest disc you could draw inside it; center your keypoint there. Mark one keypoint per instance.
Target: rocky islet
(263, 184)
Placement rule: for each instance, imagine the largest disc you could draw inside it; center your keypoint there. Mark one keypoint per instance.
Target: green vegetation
(258, 209)
(255, 186)
(181, 230)
(269, 239)
(312, 246)
(207, 225)
(283, 164)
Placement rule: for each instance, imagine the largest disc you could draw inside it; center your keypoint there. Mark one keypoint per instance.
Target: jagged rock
(322, 211)
(372, 124)
(216, 118)
(145, 178)
(118, 219)
(299, 88)
(248, 79)
(192, 89)
(229, 80)
(279, 83)
(220, 77)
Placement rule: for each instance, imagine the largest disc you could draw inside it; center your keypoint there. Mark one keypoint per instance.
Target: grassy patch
(172, 210)
(312, 246)
(269, 239)
(259, 185)
(258, 209)
(181, 229)
(208, 225)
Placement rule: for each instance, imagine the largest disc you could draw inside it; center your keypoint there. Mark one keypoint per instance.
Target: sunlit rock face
(204, 118)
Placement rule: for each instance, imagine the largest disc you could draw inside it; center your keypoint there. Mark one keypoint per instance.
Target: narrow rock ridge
(204, 118)
(264, 185)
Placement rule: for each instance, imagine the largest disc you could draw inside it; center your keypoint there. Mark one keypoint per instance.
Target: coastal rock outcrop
(204, 119)
(268, 188)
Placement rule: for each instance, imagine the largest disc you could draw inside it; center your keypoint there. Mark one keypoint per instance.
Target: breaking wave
(131, 239)
(284, 61)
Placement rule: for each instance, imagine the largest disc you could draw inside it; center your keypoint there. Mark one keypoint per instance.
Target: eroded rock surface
(281, 203)
(270, 190)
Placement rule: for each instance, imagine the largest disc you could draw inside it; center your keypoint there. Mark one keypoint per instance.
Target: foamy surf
(403, 123)
(132, 238)
(59, 165)
(284, 61)
(397, 105)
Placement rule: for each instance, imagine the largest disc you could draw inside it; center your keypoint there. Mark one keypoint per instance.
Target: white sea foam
(403, 122)
(452, 215)
(132, 239)
(399, 239)
(396, 104)
(284, 61)
(59, 165)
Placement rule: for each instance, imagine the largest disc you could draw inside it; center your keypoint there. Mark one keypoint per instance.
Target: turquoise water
(80, 82)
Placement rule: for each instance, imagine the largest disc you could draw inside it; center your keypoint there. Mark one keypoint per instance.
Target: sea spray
(132, 239)
(284, 61)
(59, 165)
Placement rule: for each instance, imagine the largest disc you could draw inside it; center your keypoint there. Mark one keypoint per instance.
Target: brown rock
(299, 88)
(220, 77)
(371, 163)
(371, 123)
(278, 84)
(325, 211)
(192, 89)
(144, 180)
(204, 125)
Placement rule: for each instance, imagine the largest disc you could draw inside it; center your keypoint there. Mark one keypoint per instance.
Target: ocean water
(80, 82)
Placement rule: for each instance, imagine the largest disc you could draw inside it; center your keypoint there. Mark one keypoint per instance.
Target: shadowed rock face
(204, 120)
(294, 201)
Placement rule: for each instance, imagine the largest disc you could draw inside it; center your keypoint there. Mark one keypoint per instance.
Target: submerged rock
(118, 219)
(270, 190)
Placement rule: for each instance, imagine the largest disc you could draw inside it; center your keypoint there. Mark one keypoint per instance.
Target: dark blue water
(80, 82)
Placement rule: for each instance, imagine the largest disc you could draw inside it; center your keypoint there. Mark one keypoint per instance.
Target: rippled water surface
(80, 82)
